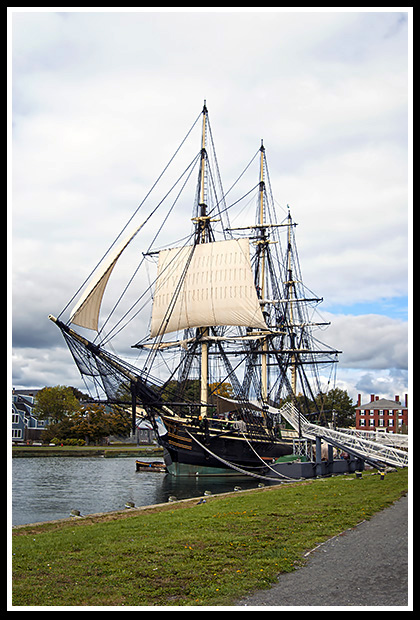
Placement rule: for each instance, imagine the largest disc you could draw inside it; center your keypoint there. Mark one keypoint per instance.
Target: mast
(202, 226)
(263, 242)
(290, 290)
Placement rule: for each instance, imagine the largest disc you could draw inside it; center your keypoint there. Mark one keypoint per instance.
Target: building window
(15, 418)
(16, 433)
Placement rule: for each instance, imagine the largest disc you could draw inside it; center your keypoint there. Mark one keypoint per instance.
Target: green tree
(337, 407)
(119, 420)
(89, 423)
(94, 422)
(55, 403)
(60, 430)
(188, 390)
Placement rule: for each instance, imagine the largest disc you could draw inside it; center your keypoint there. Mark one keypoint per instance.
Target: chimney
(359, 400)
(377, 398)
(406, 401)
(397, 398)
(372, 397)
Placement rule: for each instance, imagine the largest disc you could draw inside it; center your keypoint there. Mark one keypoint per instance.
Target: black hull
(192, 452)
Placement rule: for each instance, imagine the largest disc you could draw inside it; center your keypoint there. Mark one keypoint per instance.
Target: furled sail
(86, 311)
(207, 285)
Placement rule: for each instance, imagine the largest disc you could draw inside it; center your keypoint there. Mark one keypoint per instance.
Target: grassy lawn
(189, 553)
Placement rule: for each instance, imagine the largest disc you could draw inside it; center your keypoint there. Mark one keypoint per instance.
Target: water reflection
(48, 488)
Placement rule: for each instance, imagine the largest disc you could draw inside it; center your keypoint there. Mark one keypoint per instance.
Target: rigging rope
(134, 214)
(232, 186)
(231, 465)
(266, 464)
(113, 331)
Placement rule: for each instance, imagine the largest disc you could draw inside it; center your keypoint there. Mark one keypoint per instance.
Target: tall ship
(214, 327)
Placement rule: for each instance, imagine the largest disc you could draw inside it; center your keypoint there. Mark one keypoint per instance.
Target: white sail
(86, 311)
(211, 284)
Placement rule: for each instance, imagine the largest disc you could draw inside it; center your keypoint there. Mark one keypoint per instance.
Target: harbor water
(49, 488)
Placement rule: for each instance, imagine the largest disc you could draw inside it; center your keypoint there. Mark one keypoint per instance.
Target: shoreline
(98, 517)
(112, 451)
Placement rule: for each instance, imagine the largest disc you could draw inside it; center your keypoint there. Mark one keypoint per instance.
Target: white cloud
(352, 213)
(102, 99)
(371, 341)
(35, 367)
(385, 384)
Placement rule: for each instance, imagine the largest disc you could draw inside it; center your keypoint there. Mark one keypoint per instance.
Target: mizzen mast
(290, 294)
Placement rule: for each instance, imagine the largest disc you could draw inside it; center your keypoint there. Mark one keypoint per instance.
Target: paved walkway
(366, 566)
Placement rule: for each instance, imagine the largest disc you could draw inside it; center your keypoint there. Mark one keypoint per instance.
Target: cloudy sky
(99, 100)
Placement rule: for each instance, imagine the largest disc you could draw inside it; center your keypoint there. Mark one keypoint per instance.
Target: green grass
(188, 554)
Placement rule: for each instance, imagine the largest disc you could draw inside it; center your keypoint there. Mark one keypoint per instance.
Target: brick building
(383, 414)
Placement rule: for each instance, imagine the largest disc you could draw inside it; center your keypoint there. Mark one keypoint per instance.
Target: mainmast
(202, 237)
(262, 284)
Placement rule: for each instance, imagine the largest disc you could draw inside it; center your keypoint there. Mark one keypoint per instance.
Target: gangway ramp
(359, 447)
(387, 439)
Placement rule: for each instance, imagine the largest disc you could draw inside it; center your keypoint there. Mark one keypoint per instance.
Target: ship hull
(191, 452)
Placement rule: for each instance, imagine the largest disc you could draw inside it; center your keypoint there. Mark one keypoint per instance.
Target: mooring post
(330, 453)
(318, 456)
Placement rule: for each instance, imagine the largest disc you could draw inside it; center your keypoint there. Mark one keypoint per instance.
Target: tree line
(72, 417)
